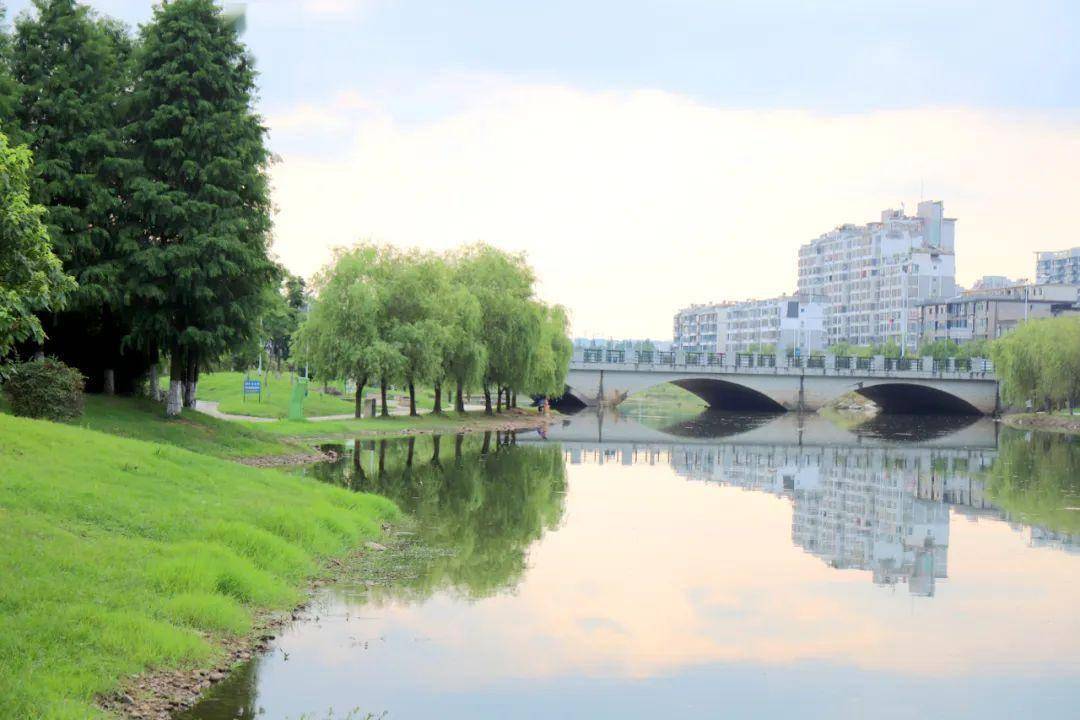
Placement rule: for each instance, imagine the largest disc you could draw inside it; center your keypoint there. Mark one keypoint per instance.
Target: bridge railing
(756, 362)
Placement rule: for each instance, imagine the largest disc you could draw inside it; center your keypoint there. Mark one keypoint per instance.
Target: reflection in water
(484, 499)
(627, 591)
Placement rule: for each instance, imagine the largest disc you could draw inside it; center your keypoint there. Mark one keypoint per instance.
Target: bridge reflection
(877, 496)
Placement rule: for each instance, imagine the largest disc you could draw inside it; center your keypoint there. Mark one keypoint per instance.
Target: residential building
(701, 328)
(784, 322)
(1058, 266)
(990, 313)
(873, 277)
(994, 282)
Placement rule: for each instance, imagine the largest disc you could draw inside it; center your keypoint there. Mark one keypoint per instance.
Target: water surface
(759, 567)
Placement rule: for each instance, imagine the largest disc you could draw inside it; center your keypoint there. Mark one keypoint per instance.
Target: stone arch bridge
(770, 383)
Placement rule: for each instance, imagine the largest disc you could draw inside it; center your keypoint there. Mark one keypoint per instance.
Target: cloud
(633, 204)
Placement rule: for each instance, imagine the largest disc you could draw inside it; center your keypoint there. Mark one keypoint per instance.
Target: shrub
(45, 389)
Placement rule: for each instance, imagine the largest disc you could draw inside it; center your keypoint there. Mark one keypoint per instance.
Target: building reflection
(884, 510)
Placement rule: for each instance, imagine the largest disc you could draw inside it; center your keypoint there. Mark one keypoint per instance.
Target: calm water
(758, 567)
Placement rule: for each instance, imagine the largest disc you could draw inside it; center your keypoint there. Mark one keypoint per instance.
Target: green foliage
(122, 555)
(416, 318)
(1036, 478)
(483, 501)
(1040, 362)
(31, 276)
(202, 196)
(44, 389)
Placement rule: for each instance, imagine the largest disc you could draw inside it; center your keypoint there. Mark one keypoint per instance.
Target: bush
(45, 389)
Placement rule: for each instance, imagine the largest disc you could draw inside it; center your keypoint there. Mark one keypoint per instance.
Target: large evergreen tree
(203, 259)
(71, 72)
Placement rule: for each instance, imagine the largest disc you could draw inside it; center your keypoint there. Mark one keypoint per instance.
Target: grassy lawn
(145, 420)
(227, 389)
(662, 399)
(122, 555)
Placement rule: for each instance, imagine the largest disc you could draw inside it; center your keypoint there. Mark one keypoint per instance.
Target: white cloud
(633, 204)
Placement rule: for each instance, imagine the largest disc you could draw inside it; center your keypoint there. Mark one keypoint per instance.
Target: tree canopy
(468, 318)
(31, 276)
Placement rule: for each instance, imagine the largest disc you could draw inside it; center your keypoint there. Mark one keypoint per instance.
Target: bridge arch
(730, 396)
(901, 398)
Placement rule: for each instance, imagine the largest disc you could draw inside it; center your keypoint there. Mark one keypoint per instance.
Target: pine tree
(71, 72)
(203, 197)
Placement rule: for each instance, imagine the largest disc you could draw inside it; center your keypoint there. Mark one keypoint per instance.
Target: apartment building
(784, 322)
(1058, 266)
(873, 277)
(701, 328)
(989, 313)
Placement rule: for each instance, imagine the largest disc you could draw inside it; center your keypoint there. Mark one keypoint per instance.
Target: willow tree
(551, 360)
(203, 196)
(31, 276)
(503, 285)
(339, 337)
(71, 70)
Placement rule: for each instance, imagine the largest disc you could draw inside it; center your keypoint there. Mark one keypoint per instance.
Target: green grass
(226, 389)
(145, 420)
(662, 399)
(121, 555)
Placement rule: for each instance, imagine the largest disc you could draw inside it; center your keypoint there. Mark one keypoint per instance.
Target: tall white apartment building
(873, 277)
(784, 322)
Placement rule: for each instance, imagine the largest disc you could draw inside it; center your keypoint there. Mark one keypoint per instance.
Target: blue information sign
(253, 387)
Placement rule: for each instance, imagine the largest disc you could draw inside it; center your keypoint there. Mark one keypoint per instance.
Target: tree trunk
(108, 382)
(382, 458)
(437, 407)
(412, 399)
(487, 400)
(513, 400)
(360, 383)
(459, 440)
(155, 383)
(487, 443)
(412, 449)
(382, 392)
(435, 441)
(459, 399)
(498, 401)
(191, 382)
(174, 402)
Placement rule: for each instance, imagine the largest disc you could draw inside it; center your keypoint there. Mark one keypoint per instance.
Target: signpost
(252, 387)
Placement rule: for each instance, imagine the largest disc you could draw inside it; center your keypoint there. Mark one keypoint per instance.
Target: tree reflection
(1036, 479)
(484, 506)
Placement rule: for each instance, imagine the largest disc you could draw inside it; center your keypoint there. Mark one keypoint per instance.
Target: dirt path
(208, 407)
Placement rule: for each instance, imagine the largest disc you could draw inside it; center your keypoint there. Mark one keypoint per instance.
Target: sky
(651, 154)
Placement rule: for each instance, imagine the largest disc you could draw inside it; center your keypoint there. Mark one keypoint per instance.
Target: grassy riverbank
(145, 420)
(122, 556)
(451, 422)
(1059, 423)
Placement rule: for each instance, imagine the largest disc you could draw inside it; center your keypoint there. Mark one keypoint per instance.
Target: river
(714, 566)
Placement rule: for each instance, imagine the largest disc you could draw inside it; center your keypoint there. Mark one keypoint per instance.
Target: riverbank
(277, 443)
(1041, 421)
(123, 556)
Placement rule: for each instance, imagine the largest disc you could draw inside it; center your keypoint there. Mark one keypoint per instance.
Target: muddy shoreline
(161, 694)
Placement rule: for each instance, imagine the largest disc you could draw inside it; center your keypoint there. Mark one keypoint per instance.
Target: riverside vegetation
(123, 555)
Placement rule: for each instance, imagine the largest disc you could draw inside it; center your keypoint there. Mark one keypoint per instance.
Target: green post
(296, 403)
